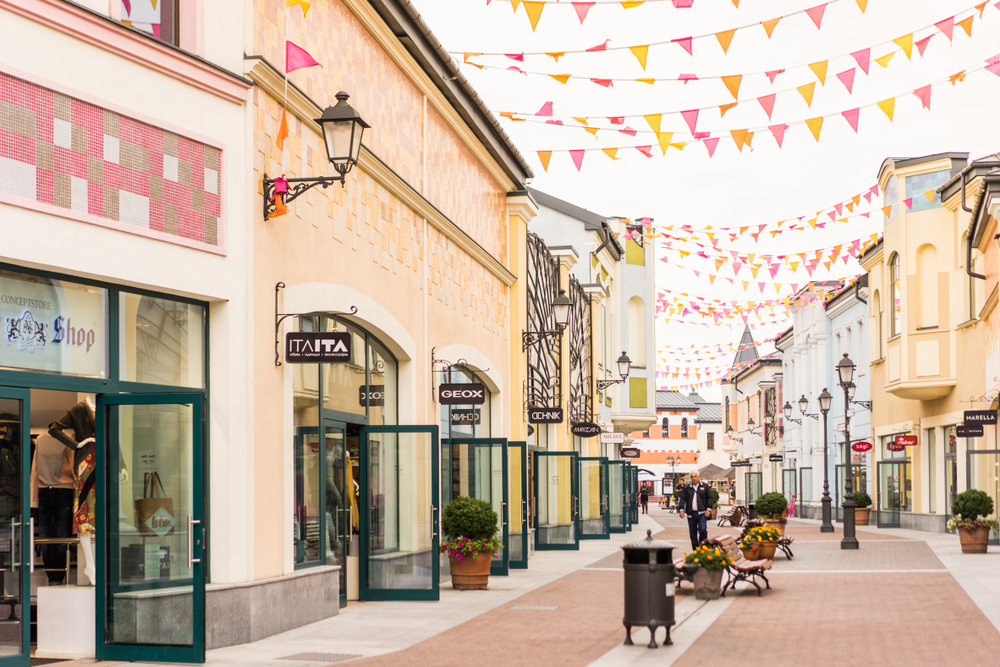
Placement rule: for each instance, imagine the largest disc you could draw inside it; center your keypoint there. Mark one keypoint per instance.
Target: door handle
(13, 552)
(31, 544)
(503, 506)
(433, 521)
(190, 542)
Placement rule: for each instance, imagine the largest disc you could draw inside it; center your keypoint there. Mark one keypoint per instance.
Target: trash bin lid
(649, 543)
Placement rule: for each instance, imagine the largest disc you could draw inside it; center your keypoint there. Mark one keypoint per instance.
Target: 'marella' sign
(323, 347)
(980, 417)
(545, 415)
(462, 394)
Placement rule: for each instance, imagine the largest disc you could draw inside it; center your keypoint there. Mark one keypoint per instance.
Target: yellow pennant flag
(725, 38)
(888, 106)
(556, 55)
(515, 3)
(849, 206)
(769, 26)
(754, 270)
(289, 3)
(664, 139)
(711, 279)
(887, 210)
(862, 5)
(966, 25)
(582, 120)
(906, 43)
(592, 130)
(611, 152)
(640, 53)
(819, 69)
(534, 10)
(544, 156)
(745, 284)
(733, 84)
(654, 121)
(679, 145)
(649, 81)
(629, 4)
(930, 195)
(561, 78)
(739, 136)
(884, 60)
(806, 92)
(814, 125)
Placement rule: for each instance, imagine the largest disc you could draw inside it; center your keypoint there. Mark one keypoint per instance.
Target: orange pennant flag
(966, 25)
(664, 139)
(725, 107)
(556, 55)
(981, 7)
(806, 92)
(469, 54)
(725, 37)
(561, 78)
(629, 4)
(582, 120)
(733, 84)
(282, 131)
(888, 106)
(747, 139)
(279, 207)
(769, 26)
(291, 3)
(534, 10)
(862, 5)
(592, 130)
(654, 121)
(814, 125)
(515, 3)
(886, 210)
(545, 156)
(819, 69)
(930, 195)
(739, 136)
(906, 43)
(611, 152)
(884, 60)
(649, 81)
(955, 78)
(640, 53)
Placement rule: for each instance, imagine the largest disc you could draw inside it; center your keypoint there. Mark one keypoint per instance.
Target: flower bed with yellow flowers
(765, 534)
(708, 557)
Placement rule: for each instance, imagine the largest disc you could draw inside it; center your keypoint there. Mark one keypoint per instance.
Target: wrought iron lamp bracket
(281, 317)
(296, 187)
(867, 405)
(604, 384)
(806, 414)
(529, 338)
(793, 420)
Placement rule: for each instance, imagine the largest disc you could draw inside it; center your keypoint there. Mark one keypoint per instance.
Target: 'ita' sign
(317, 347)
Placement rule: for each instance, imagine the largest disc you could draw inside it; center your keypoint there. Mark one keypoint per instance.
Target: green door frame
(574, 474)
(603, 476)
(617, 468)
(499, 566)
(633, 489)
(432, 593)
(520, 450)
(22, 659)
(107, 499)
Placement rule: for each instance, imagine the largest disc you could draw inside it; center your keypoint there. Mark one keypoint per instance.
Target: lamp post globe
(845, 369)
(787, 409)
(851, 389)
(624, 364)
(561, 307)
(343, 129)
(825, 399)
(803, 404)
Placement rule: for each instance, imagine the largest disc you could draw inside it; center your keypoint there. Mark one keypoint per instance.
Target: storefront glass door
(633, 494)
(755, 486)
(339, 512)
(594, 499)
(16, 559)
(479, 470)
(859, 479)
(518, 505)
(400, 513)
(984, 475)
(893, 497)
(616, 497)
(150, 507)
(557, 524)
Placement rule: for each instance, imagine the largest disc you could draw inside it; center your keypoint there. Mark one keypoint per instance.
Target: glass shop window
(162, 341)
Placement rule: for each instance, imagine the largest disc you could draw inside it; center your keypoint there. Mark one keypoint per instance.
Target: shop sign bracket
(281, 317)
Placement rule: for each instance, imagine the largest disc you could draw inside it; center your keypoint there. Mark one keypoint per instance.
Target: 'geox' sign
(462, 394)
(311, 348)
(545, 415)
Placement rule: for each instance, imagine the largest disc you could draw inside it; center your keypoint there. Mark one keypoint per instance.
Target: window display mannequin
(53, 475)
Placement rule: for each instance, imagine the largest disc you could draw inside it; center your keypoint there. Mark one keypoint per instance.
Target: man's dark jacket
(687, 498)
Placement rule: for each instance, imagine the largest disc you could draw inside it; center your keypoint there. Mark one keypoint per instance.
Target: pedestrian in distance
(696, 505)
(644, 499)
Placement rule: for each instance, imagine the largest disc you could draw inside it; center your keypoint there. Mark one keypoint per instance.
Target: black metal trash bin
(649, 587)
(753, 511)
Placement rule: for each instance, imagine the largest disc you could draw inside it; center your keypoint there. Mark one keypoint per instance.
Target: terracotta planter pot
(767, 550)
(974, 539)
(707, 584)
(861, 515)
(737, 519)
(751, 554)
(775, 524)
(471, 575)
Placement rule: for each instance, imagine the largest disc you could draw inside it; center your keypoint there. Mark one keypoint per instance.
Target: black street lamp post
(824, 407)
(845, 368)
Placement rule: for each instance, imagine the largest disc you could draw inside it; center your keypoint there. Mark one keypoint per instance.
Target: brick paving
(885, 556)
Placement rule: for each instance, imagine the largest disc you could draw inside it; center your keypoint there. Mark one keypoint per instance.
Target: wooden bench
(785, 544)
(743, 569)
(724, 518)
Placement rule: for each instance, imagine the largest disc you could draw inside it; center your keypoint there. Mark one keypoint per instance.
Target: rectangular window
(53, 326)
(157, 18)
(637, 392)
(635, 254)
(710, 440)
(162, 341)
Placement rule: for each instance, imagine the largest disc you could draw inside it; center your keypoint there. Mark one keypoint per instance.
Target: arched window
(927, 287)
(877, 327)
(684, 428)
(896, 296)
(665, 426)
(637, 332)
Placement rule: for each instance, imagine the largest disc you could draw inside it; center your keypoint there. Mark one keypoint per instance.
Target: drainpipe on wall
(968, 242)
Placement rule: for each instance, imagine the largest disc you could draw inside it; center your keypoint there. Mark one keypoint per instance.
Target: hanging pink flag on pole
(296, 58)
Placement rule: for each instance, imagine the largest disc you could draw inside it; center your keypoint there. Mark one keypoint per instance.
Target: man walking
(695, 504)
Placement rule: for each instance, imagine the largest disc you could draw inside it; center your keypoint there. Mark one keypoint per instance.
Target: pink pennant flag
(581, 9)
(128, 6)
(779, 132)
(546, 110)
(864, 59)
(924, 95)
(816, 14)
(617, 120)
(603, 46)
(519, 57)
(683, 4)
(607, 83)
(297, 58)
(993, 65)
(701, 135)
(553, 122)
(687, 77)
(645, 150)
(852, 117)
(691, 118)
(874, 189)
(922, 44)
(847, 78)
(577, 156)
(685, 43)
(767, 102)
(710, 144)
(868, 196)
(628, 130)
(908, 202)
(773, 73)
(946, 26)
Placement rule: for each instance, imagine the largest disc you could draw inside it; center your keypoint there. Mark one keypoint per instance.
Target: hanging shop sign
(605, 425)
(586, 430)
(970, 431)
(905, 441)
(861, 446)
(980, 417)
(775, 457)
(374, 394)
(842, 428)
(740, 464)
(612, 438)
(545, 415)
(462, 394)
(466, 417)
(756, 461)
(630, 453)
(324, 347)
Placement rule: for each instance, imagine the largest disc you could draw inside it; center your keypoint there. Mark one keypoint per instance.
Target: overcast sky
(762, 185)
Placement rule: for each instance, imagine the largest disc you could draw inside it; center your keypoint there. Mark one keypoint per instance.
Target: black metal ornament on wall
(580, 360)
(771, 408)
(543, 387)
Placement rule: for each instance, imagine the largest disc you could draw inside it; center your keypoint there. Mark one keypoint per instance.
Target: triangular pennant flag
(544, 157)
(710, 144)
(886, 210)
(947, 26)
(514, 4)
(582, 120)
(814, 125)
(649, 81)
(282, 131)
(534, 10)
(819, 69)
(664, 140)
(816, 14)
(888, 106)
(767, 103)
(726, 107)
(592, 130)
(769, 26)
(906, 43)
(581, 9)
(862, 5)
(954, 78)
(546, 110)
(863, 58)
(884, 60)
(556, 55)
(982, 7)
(847, 78)
(733, 84)
(771, 75)
(611, 152)
(685, 43)
(992, 66)
(922, 44)
(966, 25)
(930, 195)
(577, 156)
(654, 121)
(629, 4)
(909, 202)
(852, 117)
(691, 118)
(561, 78)
(296, 58)
(645, 150)
(924, 95)
(289, 3)
(725, 37)
(640, 53)
(738, 137)
(748, 139)
(603, 46)
(607, 83)
(779, 133)
(806, 92)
